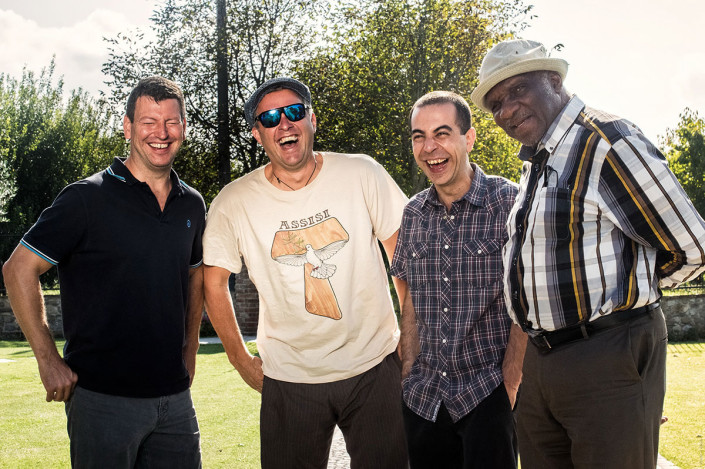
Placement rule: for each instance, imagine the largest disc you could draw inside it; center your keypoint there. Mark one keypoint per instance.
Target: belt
(546, 341)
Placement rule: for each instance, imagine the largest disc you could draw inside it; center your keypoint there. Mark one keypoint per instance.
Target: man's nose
(429, 145)
(161, 130)
(284, 122)
(507, 109)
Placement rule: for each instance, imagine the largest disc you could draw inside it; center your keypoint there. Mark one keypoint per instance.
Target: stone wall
(246, 302)
(685, 315)
(244, 296)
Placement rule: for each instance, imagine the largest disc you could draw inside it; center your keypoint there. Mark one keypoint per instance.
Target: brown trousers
(297, 420)
(595, 403)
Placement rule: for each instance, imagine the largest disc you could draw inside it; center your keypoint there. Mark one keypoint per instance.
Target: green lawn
(34, 433)
(681, 439)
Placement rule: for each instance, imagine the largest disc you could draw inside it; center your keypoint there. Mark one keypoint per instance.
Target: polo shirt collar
(475, 195)
(557, 131)
(119, 171)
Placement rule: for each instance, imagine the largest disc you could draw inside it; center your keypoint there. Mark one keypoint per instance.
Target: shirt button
(452, 217)
(444, 373)
(446, 246)
(444, 341)
(515, 295)
(413, 254)
(445, 279)
(445, 310)
(479, 251)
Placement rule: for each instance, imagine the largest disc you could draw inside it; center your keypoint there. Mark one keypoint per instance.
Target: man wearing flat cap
(307, 225)
(600, 225)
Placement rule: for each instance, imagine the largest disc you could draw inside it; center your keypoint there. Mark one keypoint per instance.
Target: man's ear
(127, 127)
(556, 81)
(470, 136)
(256, 134)
(313, 121)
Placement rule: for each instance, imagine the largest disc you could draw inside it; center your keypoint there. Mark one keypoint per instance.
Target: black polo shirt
(123, 271)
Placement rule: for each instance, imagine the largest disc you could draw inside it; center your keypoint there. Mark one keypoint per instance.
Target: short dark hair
(462, 109)
(157, 88)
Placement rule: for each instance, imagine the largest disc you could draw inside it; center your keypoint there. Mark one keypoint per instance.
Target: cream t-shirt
(325, 309)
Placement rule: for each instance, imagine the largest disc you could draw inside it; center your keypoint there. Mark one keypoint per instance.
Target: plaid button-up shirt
(452, 261)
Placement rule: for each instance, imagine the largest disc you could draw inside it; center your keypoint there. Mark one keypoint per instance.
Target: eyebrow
(436, 130)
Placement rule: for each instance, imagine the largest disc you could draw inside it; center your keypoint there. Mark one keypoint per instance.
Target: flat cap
(270, 85)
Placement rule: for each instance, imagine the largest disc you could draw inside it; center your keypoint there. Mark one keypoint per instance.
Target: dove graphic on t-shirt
(309, 247)
(315, 257)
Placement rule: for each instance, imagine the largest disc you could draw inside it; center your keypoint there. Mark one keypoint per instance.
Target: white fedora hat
(511, 58)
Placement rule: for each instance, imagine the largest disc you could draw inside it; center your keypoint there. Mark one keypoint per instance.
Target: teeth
(284, 140)
(158, 145)
(432, 162)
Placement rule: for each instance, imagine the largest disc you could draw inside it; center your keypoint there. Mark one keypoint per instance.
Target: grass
(681, 440)
(35, 431)
(228, 411)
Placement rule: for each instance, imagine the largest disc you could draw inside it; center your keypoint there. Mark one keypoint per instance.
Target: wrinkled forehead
(528, 77)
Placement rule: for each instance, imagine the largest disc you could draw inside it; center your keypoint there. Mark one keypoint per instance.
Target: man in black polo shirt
(127, 244)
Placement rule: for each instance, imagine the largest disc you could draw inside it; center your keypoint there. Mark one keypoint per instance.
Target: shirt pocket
(483, 262)
(418, 265)
(562, 215)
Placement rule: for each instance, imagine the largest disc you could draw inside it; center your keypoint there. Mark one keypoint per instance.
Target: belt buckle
(540, 341)
(546, 342)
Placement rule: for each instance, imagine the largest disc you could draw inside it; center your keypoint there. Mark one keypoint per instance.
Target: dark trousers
(297, 420)
(595, 403)
(485, 438)
(125, 432)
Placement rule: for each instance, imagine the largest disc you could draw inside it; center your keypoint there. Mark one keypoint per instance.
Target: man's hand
(58, 379)
(406, 368)
(190, 362)
(21, 275)
(512, 394)
(513, 362)
(251, 372)
(219, 305)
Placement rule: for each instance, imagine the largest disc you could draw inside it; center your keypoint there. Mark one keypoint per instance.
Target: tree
(263, 37)
(686, 156)
(47, 140)
(383, 55)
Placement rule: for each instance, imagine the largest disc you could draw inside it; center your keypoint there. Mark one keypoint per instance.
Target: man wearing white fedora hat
(600, 225)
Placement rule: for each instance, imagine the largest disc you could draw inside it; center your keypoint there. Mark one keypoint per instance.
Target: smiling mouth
(290, 140)
(159, 146)
(521, 122)
(436, 162)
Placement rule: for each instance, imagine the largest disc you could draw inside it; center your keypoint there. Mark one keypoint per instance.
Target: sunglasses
(293, 112)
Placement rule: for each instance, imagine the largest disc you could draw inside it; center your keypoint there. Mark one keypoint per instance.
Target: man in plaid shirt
(461, 365)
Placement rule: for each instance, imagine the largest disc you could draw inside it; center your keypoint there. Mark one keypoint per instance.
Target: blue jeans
(125, 432)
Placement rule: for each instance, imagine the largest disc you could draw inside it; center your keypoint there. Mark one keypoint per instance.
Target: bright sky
(640, 59)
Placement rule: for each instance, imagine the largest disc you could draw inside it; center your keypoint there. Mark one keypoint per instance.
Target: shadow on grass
(683, 347)
(210, 349)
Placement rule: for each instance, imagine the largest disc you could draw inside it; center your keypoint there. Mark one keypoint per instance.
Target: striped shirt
(599, 225)
(452, 261)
